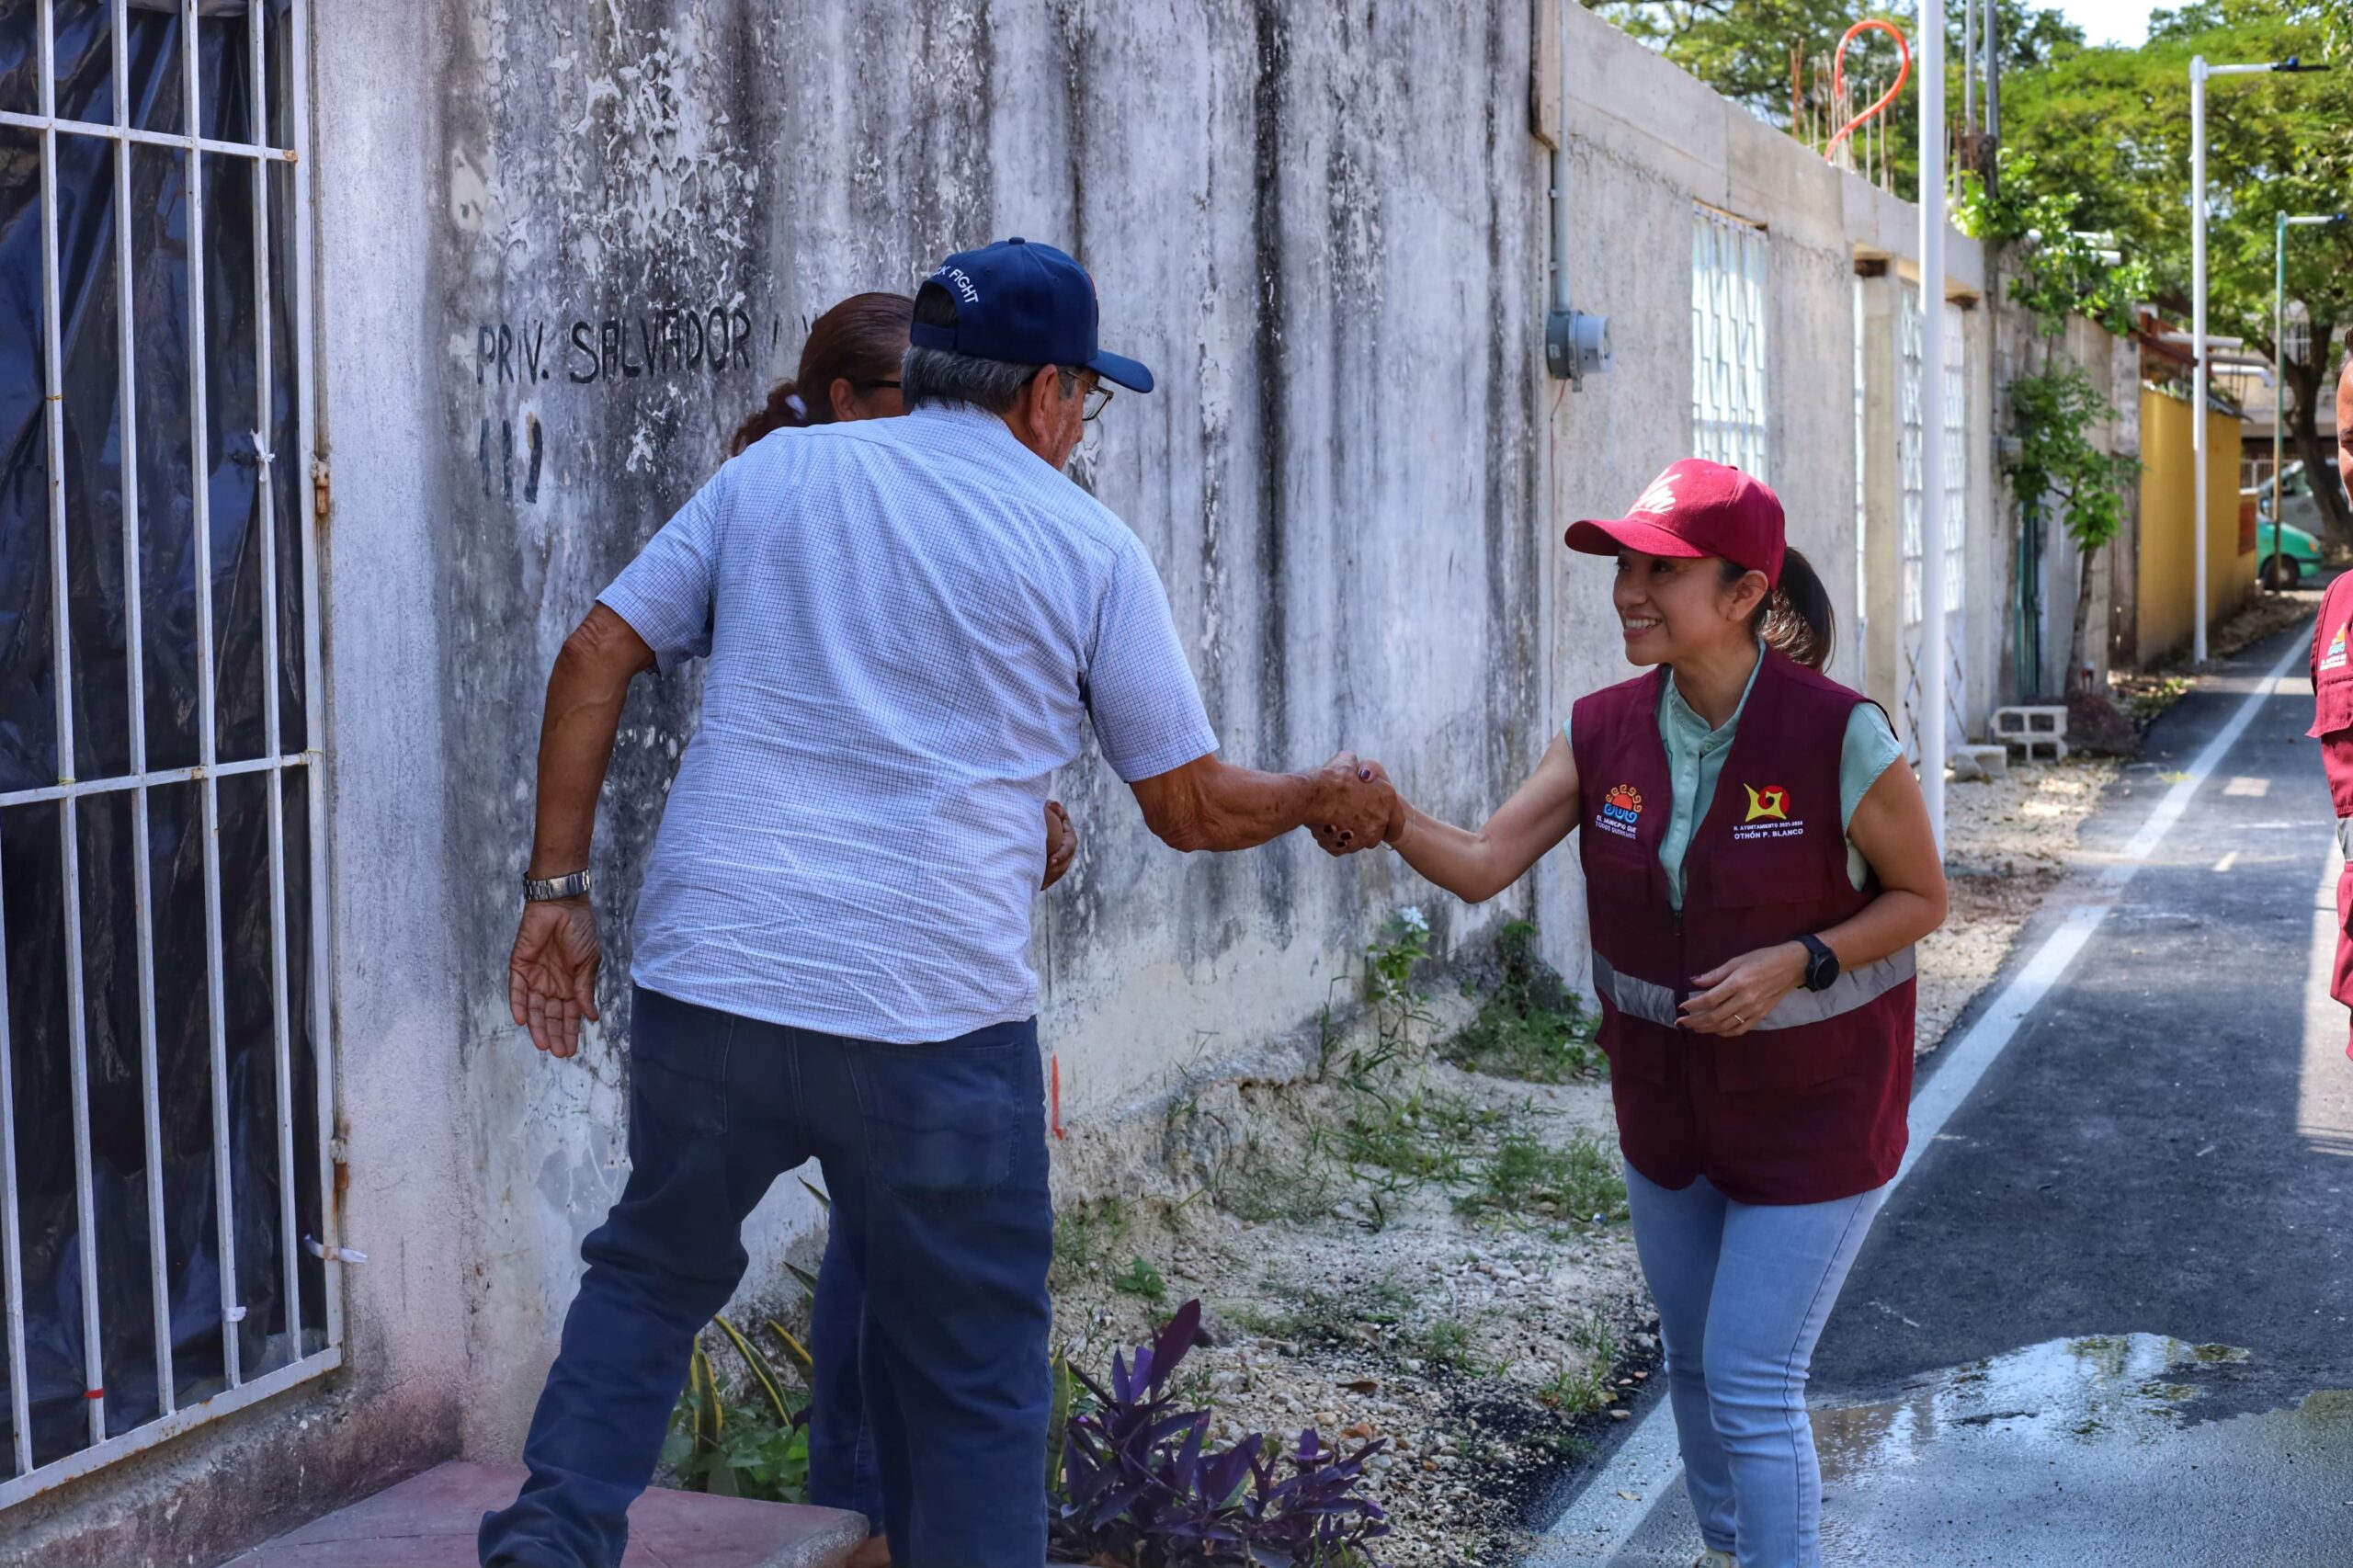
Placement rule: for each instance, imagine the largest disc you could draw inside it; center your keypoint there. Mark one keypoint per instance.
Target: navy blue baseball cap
(1031, 304)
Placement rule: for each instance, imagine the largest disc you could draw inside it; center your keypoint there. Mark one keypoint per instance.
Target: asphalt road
(2106, 1319)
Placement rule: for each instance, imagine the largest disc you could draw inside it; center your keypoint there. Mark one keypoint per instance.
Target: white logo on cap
(1659, 498)
(963, 284)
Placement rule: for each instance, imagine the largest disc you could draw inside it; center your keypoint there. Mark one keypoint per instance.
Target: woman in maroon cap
(1756, 872)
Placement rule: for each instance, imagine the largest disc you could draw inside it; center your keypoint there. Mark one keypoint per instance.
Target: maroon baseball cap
(1697, 509)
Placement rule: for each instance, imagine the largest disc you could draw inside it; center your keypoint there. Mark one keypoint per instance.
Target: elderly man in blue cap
(906, 622)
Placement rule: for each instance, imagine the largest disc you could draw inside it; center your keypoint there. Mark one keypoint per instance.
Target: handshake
(1354, 806)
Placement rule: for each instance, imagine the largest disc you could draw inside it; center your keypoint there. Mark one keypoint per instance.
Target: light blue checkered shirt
(906, 620)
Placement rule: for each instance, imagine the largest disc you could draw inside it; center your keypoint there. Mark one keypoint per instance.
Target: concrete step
(429, 1520)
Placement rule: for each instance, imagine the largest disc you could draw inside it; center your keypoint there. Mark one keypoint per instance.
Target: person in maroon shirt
(2333, 706)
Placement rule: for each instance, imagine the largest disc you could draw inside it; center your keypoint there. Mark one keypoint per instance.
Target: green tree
(2111, 127)
(1747, 50)
(2059, 269)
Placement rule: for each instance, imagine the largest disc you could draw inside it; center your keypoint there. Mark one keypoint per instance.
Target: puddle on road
(2047, 1455)
(2104, 1388)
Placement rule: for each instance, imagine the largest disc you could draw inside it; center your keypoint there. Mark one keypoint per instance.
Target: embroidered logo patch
(1621, 811)
(2335, 658)
(1769, 815)
(1770, 802)
(1659, 499)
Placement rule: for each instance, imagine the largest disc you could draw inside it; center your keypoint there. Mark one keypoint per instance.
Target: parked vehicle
(2288, 553)
(2286, 556)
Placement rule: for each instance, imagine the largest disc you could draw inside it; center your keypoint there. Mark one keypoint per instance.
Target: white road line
(1647, 1467)
(2144, 843)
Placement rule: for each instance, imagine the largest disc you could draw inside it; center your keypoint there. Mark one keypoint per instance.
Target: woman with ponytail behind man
(1757, 867)
(849, 370)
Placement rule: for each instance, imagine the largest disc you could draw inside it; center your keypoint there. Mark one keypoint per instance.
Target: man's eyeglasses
(1098, 398)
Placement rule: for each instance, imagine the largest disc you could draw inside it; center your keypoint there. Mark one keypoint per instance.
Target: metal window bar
(135, 663)
(299, 1367)
(315, 684)
(1956, 413)
(208, 740)
(289, 1250)
(1728, 372)
(1953, 408)
(68, 818)
(1908, 460)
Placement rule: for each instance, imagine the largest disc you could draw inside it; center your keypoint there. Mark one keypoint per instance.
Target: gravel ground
(2006, 846)
(1491, 1347)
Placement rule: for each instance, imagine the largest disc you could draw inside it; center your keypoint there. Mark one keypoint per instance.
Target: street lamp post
(2199, 71)
(2279, 352)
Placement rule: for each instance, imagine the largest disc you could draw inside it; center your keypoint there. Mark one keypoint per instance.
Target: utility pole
(1935, 627)
(1989, 158)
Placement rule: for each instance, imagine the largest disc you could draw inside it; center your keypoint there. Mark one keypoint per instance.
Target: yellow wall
(2167, 466)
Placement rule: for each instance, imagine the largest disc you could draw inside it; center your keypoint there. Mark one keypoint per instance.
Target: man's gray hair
(942, 375)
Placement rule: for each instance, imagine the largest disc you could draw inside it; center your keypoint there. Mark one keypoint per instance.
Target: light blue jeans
(1742, 1290)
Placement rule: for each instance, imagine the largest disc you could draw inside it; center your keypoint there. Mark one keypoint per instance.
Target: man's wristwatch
(538, 889)
(1821, 964)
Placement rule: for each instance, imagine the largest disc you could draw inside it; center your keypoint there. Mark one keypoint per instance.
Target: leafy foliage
(1747, 50)
(748, 1443)
(2112, 126)
(1576, 1179)
(1142, 1280)
(2062, 270)
(1531, 1026)
(1141, 1488)
(2053, 414)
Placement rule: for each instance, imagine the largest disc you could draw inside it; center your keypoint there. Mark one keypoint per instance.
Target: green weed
(1529, 1176)
(1532, 1027)
(1087, 1235)
(1142, 1280)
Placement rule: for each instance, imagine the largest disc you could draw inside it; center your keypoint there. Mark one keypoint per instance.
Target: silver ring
(1740, 1021)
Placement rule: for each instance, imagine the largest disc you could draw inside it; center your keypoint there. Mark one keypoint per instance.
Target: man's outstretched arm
(551, 979)
(1208, 805)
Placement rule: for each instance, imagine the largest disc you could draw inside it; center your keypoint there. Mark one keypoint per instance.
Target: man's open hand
(1061, 844)
(551, 979)
(1356, 808)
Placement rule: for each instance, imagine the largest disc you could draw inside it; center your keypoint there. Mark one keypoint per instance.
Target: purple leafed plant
(1141, 1490)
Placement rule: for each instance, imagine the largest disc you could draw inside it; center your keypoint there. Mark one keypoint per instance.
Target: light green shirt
(1695, 762)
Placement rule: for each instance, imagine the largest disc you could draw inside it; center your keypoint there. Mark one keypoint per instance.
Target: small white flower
(1413, 919)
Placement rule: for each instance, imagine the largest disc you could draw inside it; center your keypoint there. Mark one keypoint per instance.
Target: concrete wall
(2167, 584)
(563, 246)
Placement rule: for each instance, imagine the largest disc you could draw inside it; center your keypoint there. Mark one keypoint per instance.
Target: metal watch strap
(540, 890)
(1820, 957)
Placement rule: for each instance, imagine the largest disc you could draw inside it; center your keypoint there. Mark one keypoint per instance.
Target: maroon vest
(1808, 1104)
(2332, 666)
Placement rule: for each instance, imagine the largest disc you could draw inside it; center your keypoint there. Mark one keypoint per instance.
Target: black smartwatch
(1821, 964)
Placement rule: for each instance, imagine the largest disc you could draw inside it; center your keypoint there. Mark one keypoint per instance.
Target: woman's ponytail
(860, 340)
(1798, 618)
(785, 410)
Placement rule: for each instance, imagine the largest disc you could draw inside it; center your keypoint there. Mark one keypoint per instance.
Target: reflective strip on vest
(1635, 998)
(1655, 1004)
(2344, 837)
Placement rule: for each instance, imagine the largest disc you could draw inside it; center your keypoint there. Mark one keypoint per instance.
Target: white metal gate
(168, 1230)
(1728, 341)
(1955, 413)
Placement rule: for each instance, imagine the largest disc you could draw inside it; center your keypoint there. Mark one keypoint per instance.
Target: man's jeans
(935, 1159)
(843, 1469)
